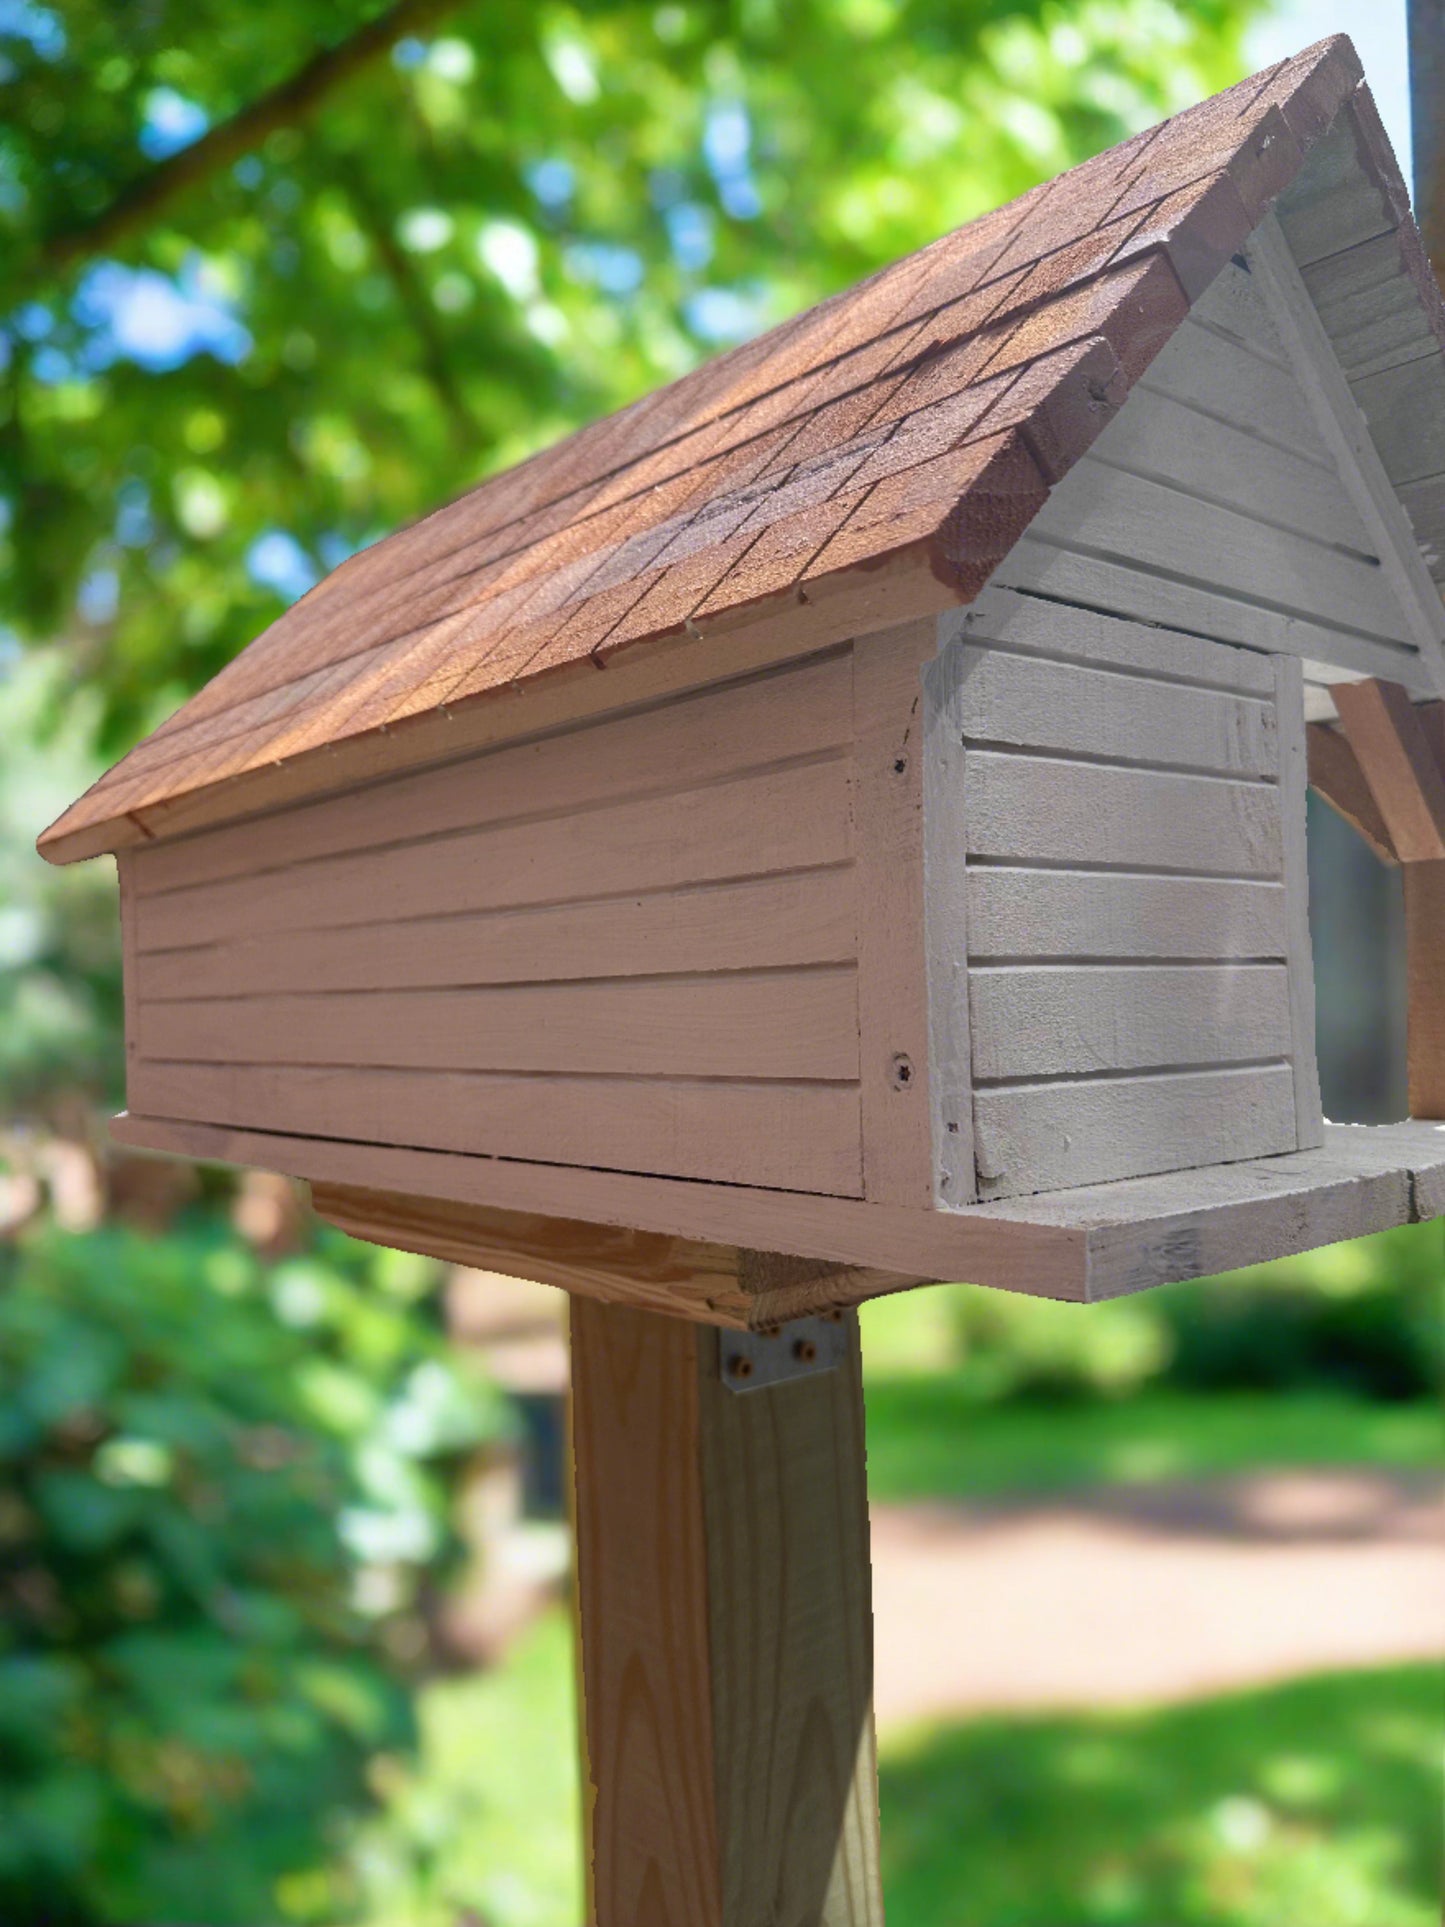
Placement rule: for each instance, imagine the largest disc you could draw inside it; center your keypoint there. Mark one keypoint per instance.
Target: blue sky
(1377, 28)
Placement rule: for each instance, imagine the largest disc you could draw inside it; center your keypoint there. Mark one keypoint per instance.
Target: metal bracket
(750, 1360)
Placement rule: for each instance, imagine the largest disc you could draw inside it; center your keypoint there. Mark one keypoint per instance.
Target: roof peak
(921, 416)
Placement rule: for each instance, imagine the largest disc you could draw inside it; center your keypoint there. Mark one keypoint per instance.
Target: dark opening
(1357, 924)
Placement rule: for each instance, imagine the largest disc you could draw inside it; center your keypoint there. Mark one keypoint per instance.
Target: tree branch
(293, 101)
(415, 303)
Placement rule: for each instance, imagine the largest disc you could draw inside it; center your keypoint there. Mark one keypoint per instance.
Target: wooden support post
(726, 1623)
(1398, 759)
(1425, 954)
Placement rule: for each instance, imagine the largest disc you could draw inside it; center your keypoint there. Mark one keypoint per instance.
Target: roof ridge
(926, 412)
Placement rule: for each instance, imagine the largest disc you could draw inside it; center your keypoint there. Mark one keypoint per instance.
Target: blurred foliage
(1236, 1813)
(478, 240)
(223, 1508)
(61, 1039)
(484, 1824)
(1363, 1318)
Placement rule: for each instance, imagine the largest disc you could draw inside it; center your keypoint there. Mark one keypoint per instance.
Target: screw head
(805, 1351)
(740, 1366)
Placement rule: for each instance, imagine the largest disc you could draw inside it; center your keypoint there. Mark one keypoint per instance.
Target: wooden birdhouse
(839, 823)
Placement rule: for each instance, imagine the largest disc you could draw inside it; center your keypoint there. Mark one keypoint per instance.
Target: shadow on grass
(1315, 1804)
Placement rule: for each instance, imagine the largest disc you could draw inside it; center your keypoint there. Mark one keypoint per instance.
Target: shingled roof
(926, 412)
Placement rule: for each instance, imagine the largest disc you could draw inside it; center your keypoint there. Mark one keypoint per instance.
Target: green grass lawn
(1315, 1804)
(928, 1438)
(1310, 1805)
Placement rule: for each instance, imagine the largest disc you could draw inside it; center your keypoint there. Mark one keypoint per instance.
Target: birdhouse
(840, 823)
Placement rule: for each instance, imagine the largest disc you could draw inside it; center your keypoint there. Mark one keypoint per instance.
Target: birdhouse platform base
(1095, 1242)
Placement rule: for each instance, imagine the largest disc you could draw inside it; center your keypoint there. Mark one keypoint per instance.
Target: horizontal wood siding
(631, 946)
(1216, 505)
(1060, 1019)
(796, 818)
(761, 923)
(731, 1132)
(789, 1023)
(1067, 914)
(1049, 810)
(1129, 922)
(1102, 1129)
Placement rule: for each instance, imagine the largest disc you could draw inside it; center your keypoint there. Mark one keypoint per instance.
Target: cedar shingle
(928, 410)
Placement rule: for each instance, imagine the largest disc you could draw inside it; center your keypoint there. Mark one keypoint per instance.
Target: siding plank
(1034, 809)
(1047, 568)
(1045, 1021)
(1058, 913)
(1218, 460)
(757, 924)
(1035, 625)
(1124, 515)
(1042, 705)
(781, 820)
(773, 1024)
(787, 1136)
(1044, 1137)
(1199, 369)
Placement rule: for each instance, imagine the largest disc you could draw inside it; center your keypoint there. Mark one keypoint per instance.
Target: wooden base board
(1099, 1241)
(715, 1284)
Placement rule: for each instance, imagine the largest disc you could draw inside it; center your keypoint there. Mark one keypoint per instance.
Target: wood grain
(1053, 1020)
(1023, 808)
(685, 1277)
(759, 923)
(1033, 625)
(1016, 700)
(798, 1024)
(1206, 372)
(1109, 511)
(726, 1634)
(1425, 964)
(1064, 914)
(1335, 773)
(643, 1585)
(1057, 1136)
(892, 1015)
(1406, 781)
(791, 1626)
(727, 1132)
(1042, 566)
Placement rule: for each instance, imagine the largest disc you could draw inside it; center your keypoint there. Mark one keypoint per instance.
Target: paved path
(1138, 1595)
